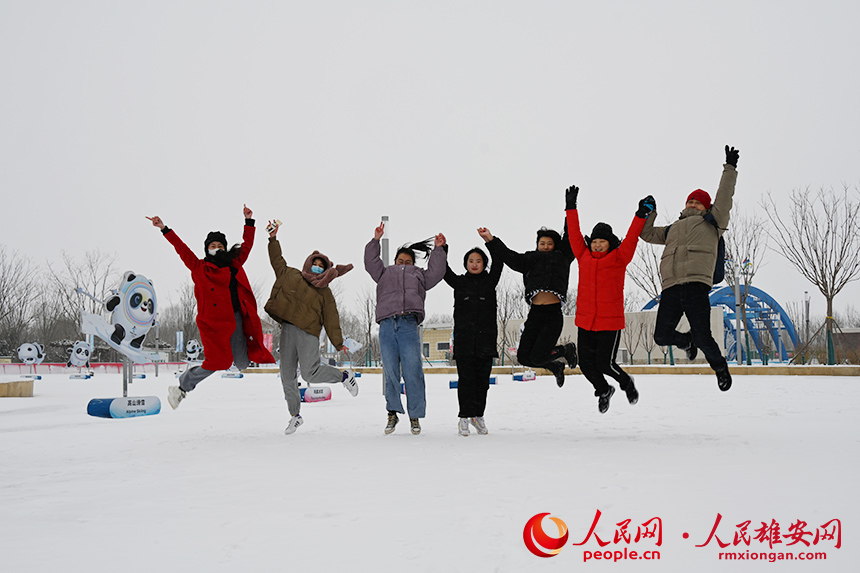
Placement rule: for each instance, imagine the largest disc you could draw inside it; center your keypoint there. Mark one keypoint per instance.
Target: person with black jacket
(546, 272)
(475, 331)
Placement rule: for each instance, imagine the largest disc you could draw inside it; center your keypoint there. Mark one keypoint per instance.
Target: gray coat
(401, 289)
(691, 241)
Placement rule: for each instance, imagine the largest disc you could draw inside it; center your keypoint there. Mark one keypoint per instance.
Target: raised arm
(652, 234)
(722, 205)
(372, 262)
(627, 250)
(437, 264)
(276, 257)
(187, 255)
(247, 236)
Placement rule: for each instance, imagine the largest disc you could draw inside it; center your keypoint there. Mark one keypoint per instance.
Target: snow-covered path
(216, 486)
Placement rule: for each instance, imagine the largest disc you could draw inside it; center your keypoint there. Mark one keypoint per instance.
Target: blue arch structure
(763, 314)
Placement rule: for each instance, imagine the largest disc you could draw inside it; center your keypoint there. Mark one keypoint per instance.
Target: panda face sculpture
(31, 353)
(192, 349)
(133, 308)
(79, 355)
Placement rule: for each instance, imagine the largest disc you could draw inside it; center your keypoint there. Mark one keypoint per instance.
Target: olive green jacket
(691, 241)
(296, 301)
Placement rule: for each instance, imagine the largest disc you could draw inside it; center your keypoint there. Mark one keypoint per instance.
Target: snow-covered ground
(217, 486)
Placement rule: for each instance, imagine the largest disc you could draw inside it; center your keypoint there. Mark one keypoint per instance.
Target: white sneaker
(463, 426)
(175, 394)
(349, 382)
(480, 425)
(294, 424)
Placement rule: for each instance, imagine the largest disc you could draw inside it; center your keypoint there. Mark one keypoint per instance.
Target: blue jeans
(400, 344)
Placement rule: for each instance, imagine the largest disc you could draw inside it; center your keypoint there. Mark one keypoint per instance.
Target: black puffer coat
(475, 330)
(547, 271)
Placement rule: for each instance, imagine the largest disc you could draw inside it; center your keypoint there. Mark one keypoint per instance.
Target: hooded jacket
(600, 294)
(215, 317)
(401, 289)
(295, 300)
(691, 241)
(475, 326)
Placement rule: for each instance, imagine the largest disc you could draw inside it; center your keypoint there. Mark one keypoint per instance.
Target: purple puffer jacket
(401, 288)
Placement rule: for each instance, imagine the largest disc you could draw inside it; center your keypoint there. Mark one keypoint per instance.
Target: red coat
(215, 317)
(600, 295)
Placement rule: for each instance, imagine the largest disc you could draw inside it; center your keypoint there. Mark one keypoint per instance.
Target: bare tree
(644, 269)
(18, 291)
(746, 243)
(365, 324)
(510, 305)
(820, 237)
(649, 324)
(569, 306)
(96, 274)
(634, 330)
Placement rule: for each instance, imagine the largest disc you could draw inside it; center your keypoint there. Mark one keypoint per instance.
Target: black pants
(597, 351)
(690, 299)
(473, 382)
(539, 342)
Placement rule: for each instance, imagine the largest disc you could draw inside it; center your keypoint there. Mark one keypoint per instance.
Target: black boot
(570, 354)
(632, 392)
(691, 351)
(724, 378)
(603, 400)
(557, 368)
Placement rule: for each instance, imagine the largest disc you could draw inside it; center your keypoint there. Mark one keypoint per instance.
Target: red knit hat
(701, 196)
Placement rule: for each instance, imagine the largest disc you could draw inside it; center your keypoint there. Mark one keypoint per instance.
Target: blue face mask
(317, 270)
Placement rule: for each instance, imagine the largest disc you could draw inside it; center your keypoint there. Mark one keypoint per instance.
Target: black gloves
(646, 206)
(570, 197)
(732, 156)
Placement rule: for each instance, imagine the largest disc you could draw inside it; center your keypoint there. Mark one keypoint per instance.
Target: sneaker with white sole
(392, 422)
(175, 395)
(349, 382)
(603, 400)
(463, 426)
(294, 424)
(414, 426)
(480, 425)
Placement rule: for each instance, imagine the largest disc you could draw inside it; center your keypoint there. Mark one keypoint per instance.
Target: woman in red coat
(603, 260)
(230, 327)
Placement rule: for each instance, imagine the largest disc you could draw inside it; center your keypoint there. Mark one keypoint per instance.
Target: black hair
(479, 252)
(544, 232)
(321, 258)
(424, 247)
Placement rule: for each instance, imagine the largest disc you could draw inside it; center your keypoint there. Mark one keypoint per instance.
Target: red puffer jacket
(215, 317)
(600, 295)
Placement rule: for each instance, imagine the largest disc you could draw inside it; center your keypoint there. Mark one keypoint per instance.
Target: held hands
(646, 206)
(485, 234)
(377, 233)
(156, 222)
(440, 240)
(732, 155)
(247, 212)
(570, 196)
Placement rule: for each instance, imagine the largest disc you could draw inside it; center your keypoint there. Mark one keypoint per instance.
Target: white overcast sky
(444, 115)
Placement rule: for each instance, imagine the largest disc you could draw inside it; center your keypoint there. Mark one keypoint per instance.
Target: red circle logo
(538, 542)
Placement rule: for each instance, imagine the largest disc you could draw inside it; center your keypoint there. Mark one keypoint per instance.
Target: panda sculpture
(79, 355)
(193, 349)
(133, 309)
(31, 353)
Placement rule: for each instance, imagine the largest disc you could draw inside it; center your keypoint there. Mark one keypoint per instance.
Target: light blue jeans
(400, 344)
